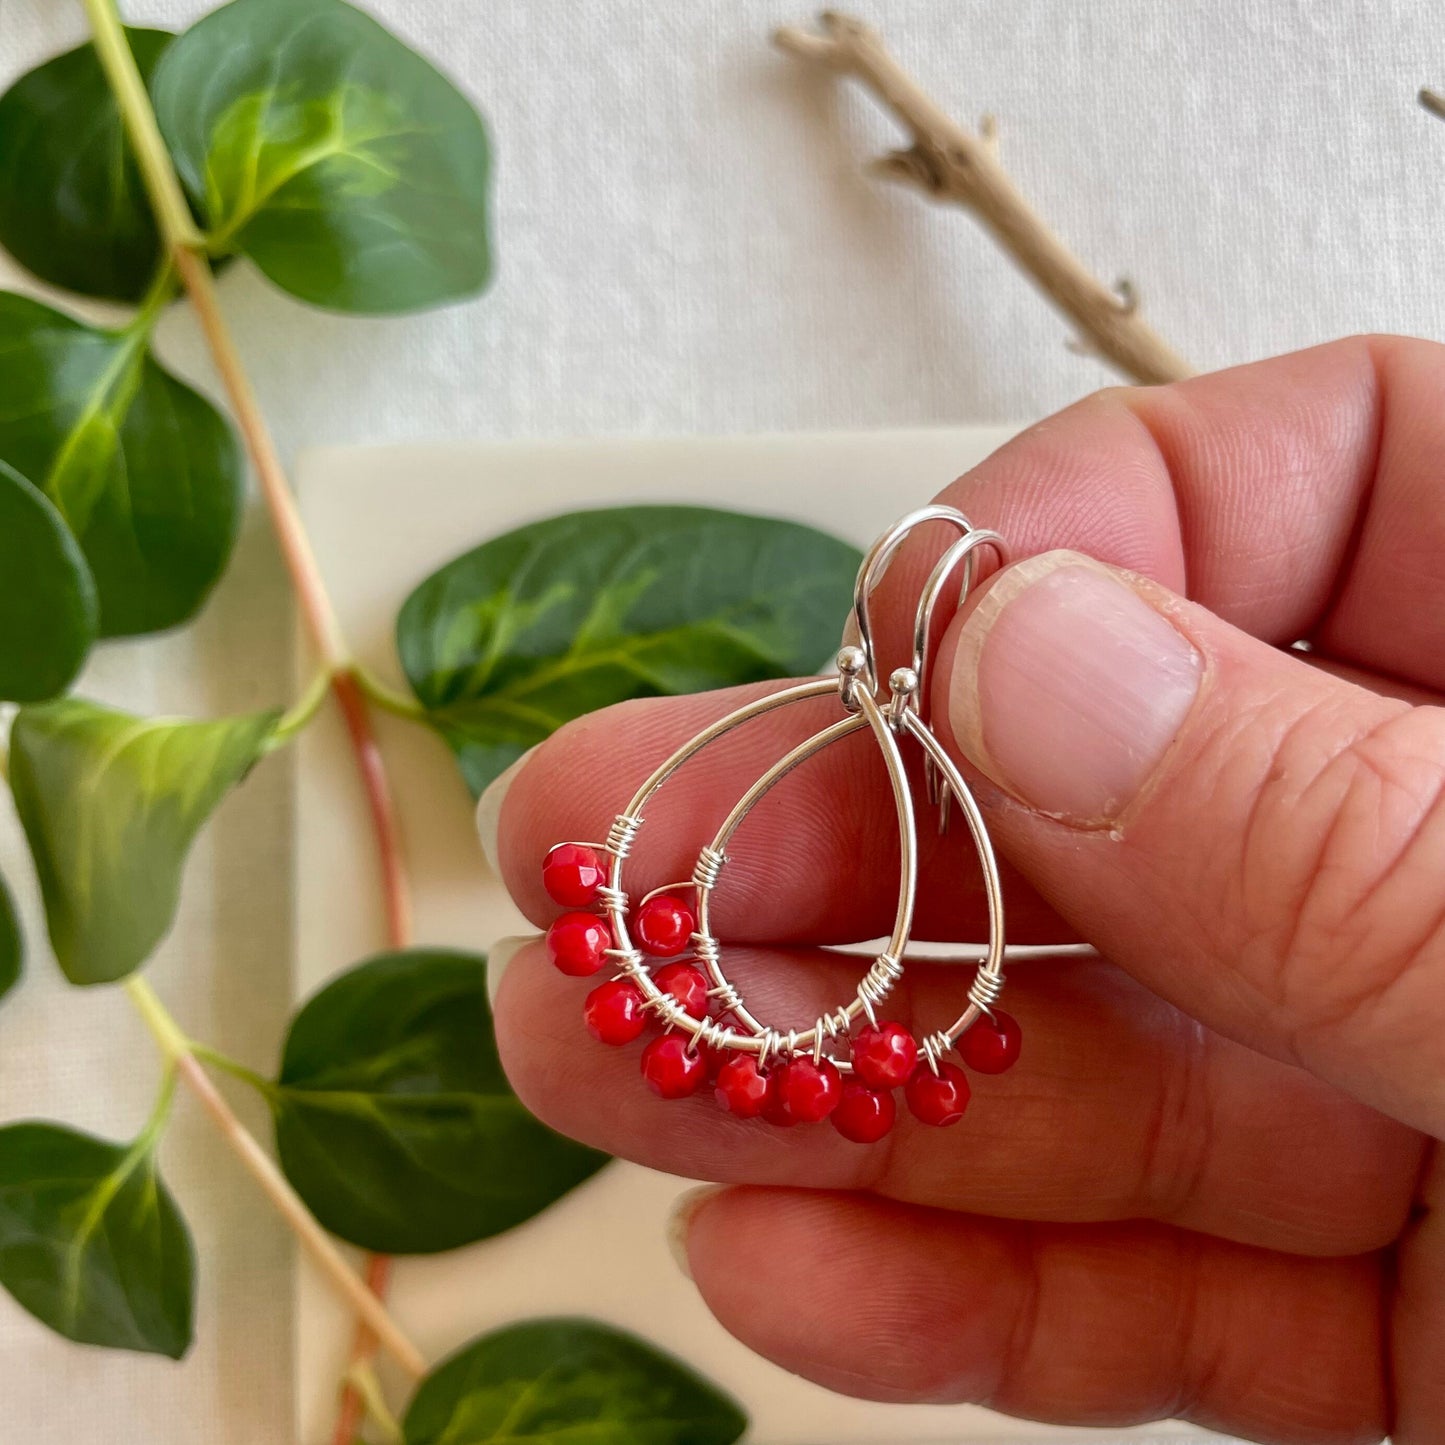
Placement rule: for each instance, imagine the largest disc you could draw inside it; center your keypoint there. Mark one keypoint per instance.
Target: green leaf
(313, 141)
(394, 1120)
(72, 205)
(111, 804)
(12, 942)
(144, 470)
(91, 1242)
(532, 629)
(48, 614)
(565, 1382)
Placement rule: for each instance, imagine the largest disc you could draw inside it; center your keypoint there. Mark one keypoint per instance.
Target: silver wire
(904, 714)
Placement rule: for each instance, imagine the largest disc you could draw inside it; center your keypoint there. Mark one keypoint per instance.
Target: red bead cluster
(574, 874)
(797, 1090)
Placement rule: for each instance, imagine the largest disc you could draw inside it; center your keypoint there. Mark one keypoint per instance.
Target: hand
(1212, 1188)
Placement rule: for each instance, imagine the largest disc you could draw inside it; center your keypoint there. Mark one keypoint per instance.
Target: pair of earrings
(669, 965)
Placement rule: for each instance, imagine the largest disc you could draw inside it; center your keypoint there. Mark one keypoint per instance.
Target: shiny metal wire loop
(962, 552)
(890, 715)
(876, 562)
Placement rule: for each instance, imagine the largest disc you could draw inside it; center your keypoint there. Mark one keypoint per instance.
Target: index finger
(1296, 498)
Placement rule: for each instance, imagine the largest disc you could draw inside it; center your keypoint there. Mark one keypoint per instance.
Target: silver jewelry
(710, 1039)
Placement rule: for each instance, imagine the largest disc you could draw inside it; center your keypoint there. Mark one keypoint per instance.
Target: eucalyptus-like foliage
(110, 804)
(342, 163)
(48, 611)
(91, 1242)
(73, 209)
(394, 1120)
(356, 177)
(561, 1381)
(143, 469)
(536, 627)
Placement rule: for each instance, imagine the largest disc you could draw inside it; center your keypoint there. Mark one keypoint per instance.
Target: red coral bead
(863, 1115)
(572, 873)
(775, 1111)
(884, 1055)
(672, 1070)
(992, 1044)
(577, 942)
(686, 984)
(807, 1091)
(664, 926)
(939, 1098)
(614, 1012)
(742, 1088)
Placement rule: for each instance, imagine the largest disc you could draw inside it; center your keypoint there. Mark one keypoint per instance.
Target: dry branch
(950, 163)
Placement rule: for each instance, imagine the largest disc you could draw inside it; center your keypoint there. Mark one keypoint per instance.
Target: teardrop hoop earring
(669, 965)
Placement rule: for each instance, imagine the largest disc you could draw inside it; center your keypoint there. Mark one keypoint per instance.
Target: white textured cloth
(687, 243)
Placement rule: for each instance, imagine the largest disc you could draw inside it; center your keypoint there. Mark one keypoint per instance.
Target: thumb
(1258, 841)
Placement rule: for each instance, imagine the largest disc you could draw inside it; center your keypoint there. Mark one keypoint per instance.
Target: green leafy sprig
(303, 138)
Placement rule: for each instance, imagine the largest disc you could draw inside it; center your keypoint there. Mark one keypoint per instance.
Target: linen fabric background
(687, 244)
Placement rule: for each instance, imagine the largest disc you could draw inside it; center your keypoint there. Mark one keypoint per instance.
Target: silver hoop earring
(669, 964)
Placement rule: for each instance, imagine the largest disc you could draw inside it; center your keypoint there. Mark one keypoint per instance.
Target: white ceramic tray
(382, 519)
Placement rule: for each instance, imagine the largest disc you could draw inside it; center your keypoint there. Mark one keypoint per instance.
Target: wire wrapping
(890, 715)
(622, 832)
(877, 984)
(932, 1048)
(709, 1034)
(707, 868)
(985, 989)
(613, 898)
(629, 960)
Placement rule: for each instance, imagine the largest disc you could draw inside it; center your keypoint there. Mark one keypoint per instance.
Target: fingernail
(500, 954)
(684, 1211)
(1068, 687)
(489, 808)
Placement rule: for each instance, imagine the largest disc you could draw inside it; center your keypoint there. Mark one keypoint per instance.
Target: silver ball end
(851, 661)
(903, 680)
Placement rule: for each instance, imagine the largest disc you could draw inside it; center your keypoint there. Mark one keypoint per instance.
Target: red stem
(321, 623)
(363, 1347)
(182, 243)
(369, 764)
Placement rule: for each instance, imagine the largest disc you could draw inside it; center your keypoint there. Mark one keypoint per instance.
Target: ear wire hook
(870, 574)
(875, 564)
(962, 552)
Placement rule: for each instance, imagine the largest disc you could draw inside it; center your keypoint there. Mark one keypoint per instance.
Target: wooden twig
(1433, 101)
(949, 163)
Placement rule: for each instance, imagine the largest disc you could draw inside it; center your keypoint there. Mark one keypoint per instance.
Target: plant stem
(176, 1048)
(950, 163)
(185, 247)
(367, 1391)
(227, 1065)
(388, 699)
(366, 754)
(184, 244)
(311, 595)
(159, 294)
(295, 718)
(167, 199)
(360, 1393)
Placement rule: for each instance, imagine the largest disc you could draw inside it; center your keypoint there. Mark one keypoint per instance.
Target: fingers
(1257, 840)
(1418, 1322)
(817, 861)
(1298, 497)
(1084, 1325)
(1120, 1107)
